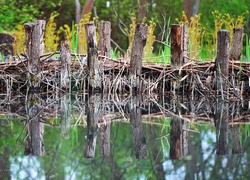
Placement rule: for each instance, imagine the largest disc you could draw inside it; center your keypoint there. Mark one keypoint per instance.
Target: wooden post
(104, 42)
(237, 44)
(65, 66)
(140, 39)
(222, 61)
(35, 48)
(179, 52)
(95, 79)
(179, 45)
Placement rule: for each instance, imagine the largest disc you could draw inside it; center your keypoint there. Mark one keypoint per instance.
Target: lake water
(53, 136)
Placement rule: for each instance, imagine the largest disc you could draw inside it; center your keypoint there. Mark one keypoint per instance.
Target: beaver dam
(97, 72)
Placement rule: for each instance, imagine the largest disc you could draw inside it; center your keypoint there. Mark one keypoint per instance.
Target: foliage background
(118, 13)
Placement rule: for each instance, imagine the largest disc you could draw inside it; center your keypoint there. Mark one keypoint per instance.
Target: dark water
(49, 136)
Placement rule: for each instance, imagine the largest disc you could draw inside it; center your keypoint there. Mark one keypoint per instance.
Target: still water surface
(49, 136)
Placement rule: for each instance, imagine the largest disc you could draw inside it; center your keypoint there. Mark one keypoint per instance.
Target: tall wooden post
(237, 44)
(65, 66)
(95, 78)
(140, 39)
(179, 45)
(35, 47)
(222, 61)
(104, 42)
(179, 52)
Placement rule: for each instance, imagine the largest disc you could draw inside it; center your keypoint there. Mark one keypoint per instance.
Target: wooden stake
(237, 44)
(140, 39)
(95, 79)
(35, 48)
(222, 61)
(65, 66)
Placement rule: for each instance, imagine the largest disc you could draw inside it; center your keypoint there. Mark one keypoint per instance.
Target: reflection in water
(138, 138)
(34, 144)
(65, 115)
(178, 132)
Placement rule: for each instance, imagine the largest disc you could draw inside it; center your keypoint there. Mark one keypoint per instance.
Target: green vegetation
(60, 17)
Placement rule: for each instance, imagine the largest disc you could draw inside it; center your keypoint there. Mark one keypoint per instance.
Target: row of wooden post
(179, 54)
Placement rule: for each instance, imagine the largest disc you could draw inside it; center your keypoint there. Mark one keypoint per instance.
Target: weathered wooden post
(104, 139)
(140, 39)
(95, 75)
(104, 42)
(35, 47)
(179, 45)
(222, 61)
(179, 51)
(236, 44)
(65, 66)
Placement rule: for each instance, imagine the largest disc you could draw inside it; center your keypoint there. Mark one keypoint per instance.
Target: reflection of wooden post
(92, 125)
(65, 116)
(175, 138)
(221, 124)
(35, 48)
(104, 139)
(235, 137)
(140, 39)
(95, 80)
(34, 144)
(178, 133)
(222, 61)
(139, 140)
(65, 66)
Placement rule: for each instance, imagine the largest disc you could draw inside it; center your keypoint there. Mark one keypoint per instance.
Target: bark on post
(65, 66)
(140, 39)
(222, 61)
(35, 47)
(95, 79)
(237, 44)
